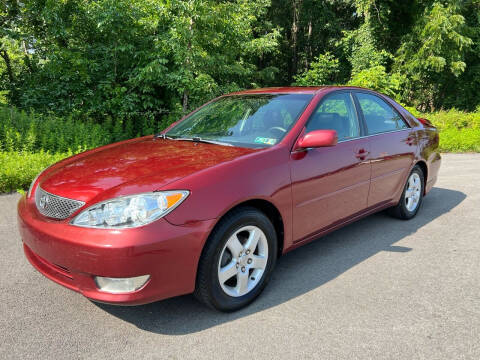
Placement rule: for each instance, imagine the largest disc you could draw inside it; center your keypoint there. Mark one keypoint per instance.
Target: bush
(377, 78)
(30, 132)
(322, 71)
(18, 169)
(30, 142)
(459, 131)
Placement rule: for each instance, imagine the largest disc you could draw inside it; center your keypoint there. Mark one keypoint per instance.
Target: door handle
(361, 154)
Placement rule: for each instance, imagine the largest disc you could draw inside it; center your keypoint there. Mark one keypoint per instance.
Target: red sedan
(208, 205)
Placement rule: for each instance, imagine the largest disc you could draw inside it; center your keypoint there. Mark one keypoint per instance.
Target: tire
(223, 256)
(407, 208)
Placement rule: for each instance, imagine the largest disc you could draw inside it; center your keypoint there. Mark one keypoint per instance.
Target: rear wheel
(237, 261)
(412, 196)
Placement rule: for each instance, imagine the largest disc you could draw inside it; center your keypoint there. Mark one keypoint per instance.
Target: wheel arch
(269, 209)
(423, 166)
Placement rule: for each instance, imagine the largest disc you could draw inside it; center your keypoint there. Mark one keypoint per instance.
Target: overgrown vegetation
(32, 132)
(31, 142)
(459, 131)
(123, 59)
(18, 169)
(88, 72)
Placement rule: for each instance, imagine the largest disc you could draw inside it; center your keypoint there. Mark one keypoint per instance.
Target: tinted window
(336, 112)
(257, 120)
(379, 116)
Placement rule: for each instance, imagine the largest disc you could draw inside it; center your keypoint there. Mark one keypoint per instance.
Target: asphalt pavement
(380, 288)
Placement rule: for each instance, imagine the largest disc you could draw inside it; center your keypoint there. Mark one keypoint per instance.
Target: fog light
(120, 285)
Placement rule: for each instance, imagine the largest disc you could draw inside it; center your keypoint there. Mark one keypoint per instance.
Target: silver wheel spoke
(252, 241)
(242, 283)
(413, 192)
(258, 262)
(227, 272)
(234, 245)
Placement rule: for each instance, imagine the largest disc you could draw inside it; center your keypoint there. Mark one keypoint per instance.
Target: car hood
(141, 165)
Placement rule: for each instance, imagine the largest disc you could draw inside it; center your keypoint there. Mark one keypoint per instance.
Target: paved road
(379, 288)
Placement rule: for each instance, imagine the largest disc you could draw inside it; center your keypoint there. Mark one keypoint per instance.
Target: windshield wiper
(162, 136)
(194, 139)
(199, 139)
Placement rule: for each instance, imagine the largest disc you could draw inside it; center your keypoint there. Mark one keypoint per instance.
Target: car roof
(295, 89)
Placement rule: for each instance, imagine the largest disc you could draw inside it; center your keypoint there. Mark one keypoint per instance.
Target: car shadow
(298, 272)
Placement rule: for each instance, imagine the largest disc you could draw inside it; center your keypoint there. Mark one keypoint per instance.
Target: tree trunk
(187, 62)
(8, 65)
(295, 23)
(185, 101)
(27, 57)
(310, 55)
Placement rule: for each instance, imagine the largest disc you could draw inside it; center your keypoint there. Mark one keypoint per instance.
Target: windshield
(259, 120)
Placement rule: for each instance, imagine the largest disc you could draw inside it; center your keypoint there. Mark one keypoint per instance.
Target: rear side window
(379, 116)
(336, 112)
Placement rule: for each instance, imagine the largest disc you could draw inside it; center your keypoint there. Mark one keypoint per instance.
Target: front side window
(336, 112)
(379, 116)
(256, 120)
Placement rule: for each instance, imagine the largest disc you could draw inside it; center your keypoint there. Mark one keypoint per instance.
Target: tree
(138, 59)
(433, 53)
(323, 71)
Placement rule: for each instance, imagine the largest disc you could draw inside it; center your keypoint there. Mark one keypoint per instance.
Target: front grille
(55, 206)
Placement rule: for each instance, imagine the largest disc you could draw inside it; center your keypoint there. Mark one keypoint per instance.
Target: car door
(391, 145)
(330, 184)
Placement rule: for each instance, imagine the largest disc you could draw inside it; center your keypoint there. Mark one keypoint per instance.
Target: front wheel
(412, 196)
(237, 261)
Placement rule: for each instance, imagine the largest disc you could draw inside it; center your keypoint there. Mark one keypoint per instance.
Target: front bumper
(72, 256)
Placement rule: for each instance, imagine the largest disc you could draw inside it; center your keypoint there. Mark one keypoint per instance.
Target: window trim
(360, 111)
(360, 123)
(377, 134)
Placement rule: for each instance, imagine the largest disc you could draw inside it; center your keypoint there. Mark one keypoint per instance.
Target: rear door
(391, 144)
(330, 184)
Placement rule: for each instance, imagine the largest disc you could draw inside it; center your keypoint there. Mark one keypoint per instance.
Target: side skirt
(337, 226)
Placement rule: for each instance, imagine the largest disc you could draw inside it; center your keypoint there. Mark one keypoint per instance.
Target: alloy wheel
(243, 261)
(413, 192)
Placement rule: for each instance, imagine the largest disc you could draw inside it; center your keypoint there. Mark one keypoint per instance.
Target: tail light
(426, 122)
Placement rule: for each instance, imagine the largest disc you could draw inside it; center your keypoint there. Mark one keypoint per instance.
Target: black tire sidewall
(218, 297)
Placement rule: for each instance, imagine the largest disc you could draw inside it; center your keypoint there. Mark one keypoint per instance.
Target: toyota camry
(209, 204)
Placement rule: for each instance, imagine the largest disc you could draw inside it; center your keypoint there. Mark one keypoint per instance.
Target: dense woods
(158, 58)
(75, 74)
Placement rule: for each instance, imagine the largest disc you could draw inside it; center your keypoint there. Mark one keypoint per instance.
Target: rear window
(379, 116)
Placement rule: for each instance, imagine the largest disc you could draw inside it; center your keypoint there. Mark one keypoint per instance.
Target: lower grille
(55, 206)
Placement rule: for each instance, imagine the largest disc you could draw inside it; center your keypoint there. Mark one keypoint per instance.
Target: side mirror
(318, 138)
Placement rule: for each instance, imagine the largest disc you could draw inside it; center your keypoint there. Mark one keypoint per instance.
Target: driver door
(331, 184)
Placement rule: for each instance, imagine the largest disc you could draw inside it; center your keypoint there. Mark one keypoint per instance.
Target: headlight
(130, 211)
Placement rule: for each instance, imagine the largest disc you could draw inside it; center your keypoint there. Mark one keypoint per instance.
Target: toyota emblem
(43, 201)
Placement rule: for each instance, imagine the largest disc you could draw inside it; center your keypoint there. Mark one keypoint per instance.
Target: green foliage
(322, 72)
(77, 74)
(18, 169)
(463, 140)
(433, 54)
(362, 49)
(135, 59)
(459, 131)
(30, 132)
(377, 78)
(145, 59)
